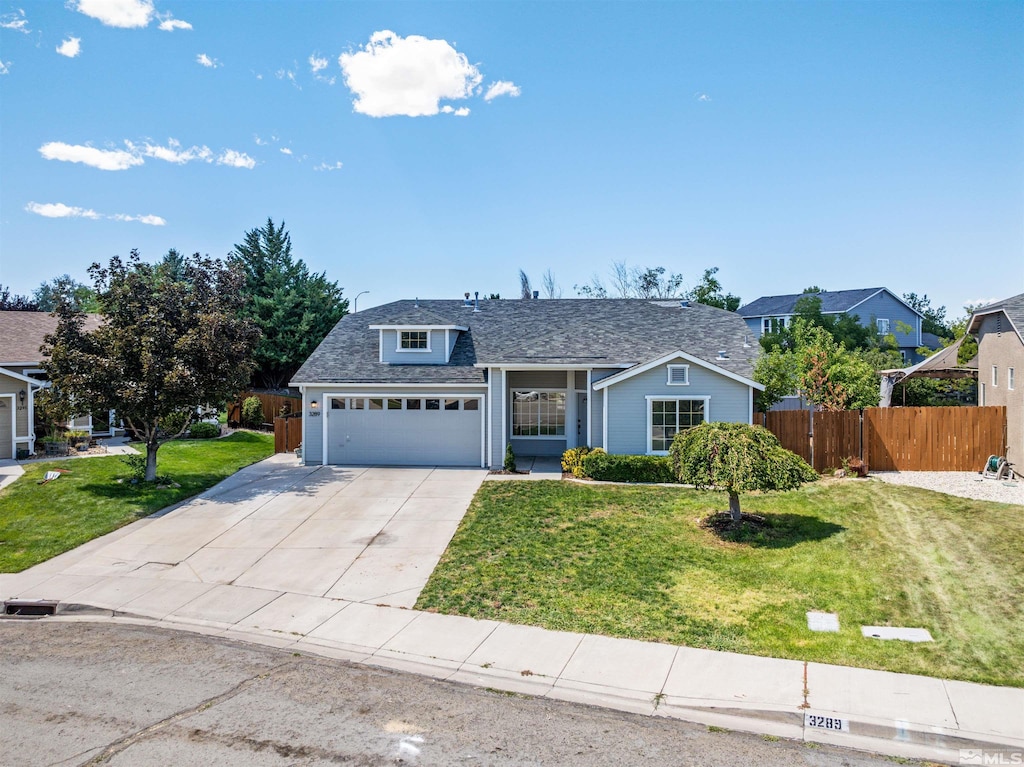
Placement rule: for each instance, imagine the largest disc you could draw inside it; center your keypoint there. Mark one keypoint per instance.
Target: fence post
(860, 437)
(810, 435)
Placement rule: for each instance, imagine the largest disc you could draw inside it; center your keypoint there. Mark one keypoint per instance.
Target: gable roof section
(604, 383)
(832, 302)
(529, 333)
(1012, 307)
(22, 333)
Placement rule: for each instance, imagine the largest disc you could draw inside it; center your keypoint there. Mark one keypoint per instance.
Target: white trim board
(604, 383)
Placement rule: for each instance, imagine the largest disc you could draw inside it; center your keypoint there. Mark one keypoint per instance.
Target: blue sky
(839, 144)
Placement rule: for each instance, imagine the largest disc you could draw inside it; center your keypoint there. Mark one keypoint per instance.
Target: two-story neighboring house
(878, 308)
(454, 382)
(1000, 331)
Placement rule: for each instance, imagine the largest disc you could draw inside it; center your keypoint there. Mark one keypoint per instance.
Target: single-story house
(1000, 331)
(444, 382)
(873, 307)
(22, 376)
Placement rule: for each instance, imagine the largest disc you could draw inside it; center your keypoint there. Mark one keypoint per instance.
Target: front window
(671, 416)
(883, 327)
(773, 324)
(1010, 383)
(414, 339)
(995, 375)
(538, 413)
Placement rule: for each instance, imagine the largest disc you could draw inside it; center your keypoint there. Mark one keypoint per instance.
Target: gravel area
(966, 484)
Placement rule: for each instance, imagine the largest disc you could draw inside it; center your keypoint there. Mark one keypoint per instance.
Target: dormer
(417, 344)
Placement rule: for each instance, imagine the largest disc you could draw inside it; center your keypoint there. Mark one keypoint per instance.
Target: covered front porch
(542, 411)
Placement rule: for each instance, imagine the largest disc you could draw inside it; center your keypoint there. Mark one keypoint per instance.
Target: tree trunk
(151, 448)
(734, 507)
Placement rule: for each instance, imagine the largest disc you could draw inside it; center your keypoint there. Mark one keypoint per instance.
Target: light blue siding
(627, 403)
(497, 457)
(597, 407)
(312, 427)
(884, 306)
(754, 325)
(438, 354)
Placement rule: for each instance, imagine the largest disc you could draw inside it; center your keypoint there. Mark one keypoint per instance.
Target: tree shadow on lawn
(770, 531)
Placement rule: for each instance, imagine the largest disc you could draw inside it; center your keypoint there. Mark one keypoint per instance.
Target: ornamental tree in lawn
(168, 343)
(736, 458)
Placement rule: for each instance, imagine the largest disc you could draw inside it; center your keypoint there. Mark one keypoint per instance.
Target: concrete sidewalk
(897, 714)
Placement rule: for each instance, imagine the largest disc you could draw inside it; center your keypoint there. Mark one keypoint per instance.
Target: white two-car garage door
(405, 431)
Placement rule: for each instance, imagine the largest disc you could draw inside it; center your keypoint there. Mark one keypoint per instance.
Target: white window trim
(670, 368)
(511, 404)
(1010, 383)
(782, 320)
(883, 326)
(650, 413)
(398, 340)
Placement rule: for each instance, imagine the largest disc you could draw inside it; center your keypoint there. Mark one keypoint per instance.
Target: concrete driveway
(360, 534)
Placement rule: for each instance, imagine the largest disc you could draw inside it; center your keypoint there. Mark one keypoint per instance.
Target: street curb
(886, 737)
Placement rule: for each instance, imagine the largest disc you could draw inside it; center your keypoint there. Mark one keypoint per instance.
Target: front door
(581, 420)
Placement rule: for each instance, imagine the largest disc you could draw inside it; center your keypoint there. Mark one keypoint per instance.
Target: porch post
(570, 408)
(590, 397)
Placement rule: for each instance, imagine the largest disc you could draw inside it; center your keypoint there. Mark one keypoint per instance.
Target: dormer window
(414, 340)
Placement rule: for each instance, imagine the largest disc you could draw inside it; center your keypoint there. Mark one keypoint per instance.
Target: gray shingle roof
(597, 332)
(1012, 307)
(22, 333)
(832, 301)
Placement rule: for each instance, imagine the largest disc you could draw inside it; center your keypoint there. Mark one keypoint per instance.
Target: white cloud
(236, 159)
(174, 153)
(285, 150)
(259, 141)
(701, 96)
(4, 67)
(104, 159)
(15, 20)
(60, 210)
(70, 47)
(316, 63)
(392, 75)
(127, 14)
(326, 166)
(206, 61)
(149, 220)
(502, 88)
(167, 24)
(460, 112)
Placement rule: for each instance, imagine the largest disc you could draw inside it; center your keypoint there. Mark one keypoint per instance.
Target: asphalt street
(80, 693)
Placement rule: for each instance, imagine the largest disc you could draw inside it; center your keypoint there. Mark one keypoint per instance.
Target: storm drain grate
(30, 608)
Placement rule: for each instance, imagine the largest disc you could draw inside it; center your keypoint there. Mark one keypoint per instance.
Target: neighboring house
(879, 308)
(454, 382)
(1000, 331)
(22, 376)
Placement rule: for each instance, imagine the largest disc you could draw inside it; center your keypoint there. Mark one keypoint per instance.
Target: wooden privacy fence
(272, 404)
(893, 438)
(287, 433)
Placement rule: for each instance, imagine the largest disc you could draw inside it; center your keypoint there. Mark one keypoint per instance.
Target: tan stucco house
(1000, 331)
(22, 377)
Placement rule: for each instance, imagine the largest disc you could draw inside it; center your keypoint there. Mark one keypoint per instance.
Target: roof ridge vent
(722, 355)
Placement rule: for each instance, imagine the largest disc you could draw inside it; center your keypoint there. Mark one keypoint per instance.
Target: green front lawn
(635, 562)
(38, 522)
